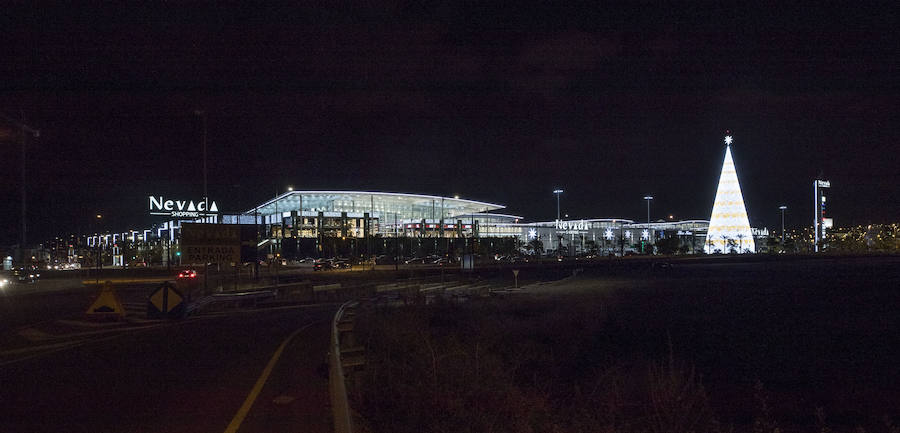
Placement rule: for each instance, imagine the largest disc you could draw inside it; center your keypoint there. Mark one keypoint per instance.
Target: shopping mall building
(300, 224)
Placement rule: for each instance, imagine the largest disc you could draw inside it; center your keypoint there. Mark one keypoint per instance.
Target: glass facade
(349, 214)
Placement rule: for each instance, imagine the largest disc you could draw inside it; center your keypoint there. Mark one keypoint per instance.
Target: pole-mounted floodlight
(648, 198)
(557, 192)
(36, 133)
(782, 207)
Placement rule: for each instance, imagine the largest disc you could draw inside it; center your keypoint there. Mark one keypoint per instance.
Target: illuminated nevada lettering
(160, 206)
(572, 225)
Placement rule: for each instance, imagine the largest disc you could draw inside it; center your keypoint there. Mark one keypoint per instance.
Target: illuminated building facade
(300, 224)
(820, 223)
(308, 214)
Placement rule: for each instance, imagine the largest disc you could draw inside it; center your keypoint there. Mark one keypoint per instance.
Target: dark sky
(494, 104)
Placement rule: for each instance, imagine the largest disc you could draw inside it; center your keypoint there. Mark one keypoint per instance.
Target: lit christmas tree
(729, 227)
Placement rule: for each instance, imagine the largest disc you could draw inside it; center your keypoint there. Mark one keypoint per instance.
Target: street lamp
(557, 192)
(202, 115)
(25, 131)
(99, 263)
(648, 198)
(783, 208)
(276, 246)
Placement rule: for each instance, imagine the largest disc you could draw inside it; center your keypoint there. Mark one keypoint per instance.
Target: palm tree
(740, 237)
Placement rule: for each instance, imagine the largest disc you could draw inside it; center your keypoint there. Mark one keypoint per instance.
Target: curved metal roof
(587, 220)
(362, 201)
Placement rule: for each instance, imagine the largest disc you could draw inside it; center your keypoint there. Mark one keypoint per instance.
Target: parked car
(384, 260)
(322, 265)
(341, 264)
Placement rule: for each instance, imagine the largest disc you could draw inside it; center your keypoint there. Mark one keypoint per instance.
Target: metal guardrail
(340, 406)
(228, 297)
(326, 287)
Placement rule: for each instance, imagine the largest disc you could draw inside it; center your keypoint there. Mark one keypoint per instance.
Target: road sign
(211, 254)
(106, 306)
(165, 302)
(211, 243)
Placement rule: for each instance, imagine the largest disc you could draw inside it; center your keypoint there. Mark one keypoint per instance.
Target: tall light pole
(782, 207)
(202, 115)
(557, 192)
(99, 263)
(25, 130)
(648, 198)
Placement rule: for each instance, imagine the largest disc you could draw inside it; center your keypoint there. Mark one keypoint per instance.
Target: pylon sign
(165, 303)
(106, 306)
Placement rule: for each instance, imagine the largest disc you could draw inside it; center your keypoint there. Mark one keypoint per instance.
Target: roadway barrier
(432, 286)
(229, 298)
(326, 287)
(297, 292)
(340, 406)
(381, 288)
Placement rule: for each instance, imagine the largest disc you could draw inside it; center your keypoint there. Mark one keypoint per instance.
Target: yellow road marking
(248, 402)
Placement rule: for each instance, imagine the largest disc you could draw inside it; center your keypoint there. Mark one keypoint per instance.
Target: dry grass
(734, 355)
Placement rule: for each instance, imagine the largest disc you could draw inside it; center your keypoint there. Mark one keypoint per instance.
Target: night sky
(493, 104)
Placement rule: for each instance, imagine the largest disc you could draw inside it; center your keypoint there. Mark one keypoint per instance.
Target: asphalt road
(46, 300)
(185, 376)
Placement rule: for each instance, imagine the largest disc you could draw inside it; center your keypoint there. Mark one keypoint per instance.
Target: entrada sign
(211, 243)
(181, 208)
